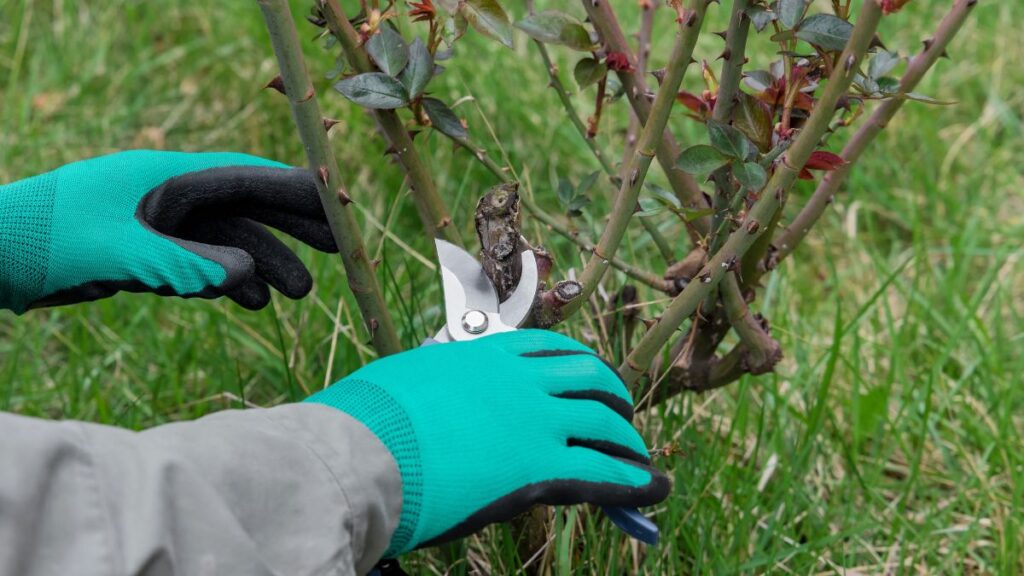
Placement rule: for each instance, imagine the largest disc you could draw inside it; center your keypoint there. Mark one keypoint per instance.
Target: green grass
(889, 440)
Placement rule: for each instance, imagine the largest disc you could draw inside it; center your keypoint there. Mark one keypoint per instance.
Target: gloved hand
(165, 222)
(482, 430)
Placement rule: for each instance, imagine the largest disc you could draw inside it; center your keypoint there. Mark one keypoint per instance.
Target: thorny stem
(643, 53)
(761, 346)
(763, 211)
(683, 185)
(322, 162)
(570, 109)
(762, 351)
(794, 234)
(732, 72)
(733, 59)
(644, 50)
(635, 174)
(431, 208)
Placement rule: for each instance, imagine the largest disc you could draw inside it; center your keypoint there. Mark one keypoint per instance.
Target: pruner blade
(471, 302)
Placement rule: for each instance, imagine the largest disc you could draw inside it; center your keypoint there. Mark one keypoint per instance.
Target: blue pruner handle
(633, 523)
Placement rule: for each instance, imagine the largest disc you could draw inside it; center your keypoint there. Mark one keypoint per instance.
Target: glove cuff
(377, 410)
(26, 221)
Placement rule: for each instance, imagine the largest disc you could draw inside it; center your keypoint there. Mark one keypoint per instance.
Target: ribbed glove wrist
(26, 216)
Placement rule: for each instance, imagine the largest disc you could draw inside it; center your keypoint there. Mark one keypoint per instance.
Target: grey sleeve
(300, 489)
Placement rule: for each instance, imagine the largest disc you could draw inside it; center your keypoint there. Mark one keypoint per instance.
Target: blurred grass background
(889, 440)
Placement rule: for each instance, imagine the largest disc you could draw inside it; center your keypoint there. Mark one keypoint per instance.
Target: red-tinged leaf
(805, 174)
(422, 11)
(754, 119)
(619, 62)
(691, 101)
(890, 6)
(803, 101)
(824, 160)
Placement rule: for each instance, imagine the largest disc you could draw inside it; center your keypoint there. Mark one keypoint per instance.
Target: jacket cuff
(380, 413)
(366, 473)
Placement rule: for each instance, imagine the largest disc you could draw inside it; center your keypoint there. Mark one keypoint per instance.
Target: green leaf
(700, 159)
(783, 36)
(420, 69)
(663, 196)
(729, 140)
(691, 214)
(760, 17)
(444, 120)
(577, 204)
(750, 175)
(374, 90)
(453, 28)
(649, 207)
(388, 51)
(888, 85)
(489, 19)
(754, 119)
(587, 183)
(668, 200)
(825, 31)
(556, 27)
(589, 71)
(565, 191)
(882, 63)
(791, 11)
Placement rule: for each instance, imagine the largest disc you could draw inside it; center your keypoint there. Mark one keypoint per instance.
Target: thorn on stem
(325, 176)
(277, 83)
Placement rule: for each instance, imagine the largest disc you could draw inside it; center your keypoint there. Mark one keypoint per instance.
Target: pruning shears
(472, 310)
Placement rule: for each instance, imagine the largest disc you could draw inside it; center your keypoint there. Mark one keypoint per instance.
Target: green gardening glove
(166, 222)
(483, 430)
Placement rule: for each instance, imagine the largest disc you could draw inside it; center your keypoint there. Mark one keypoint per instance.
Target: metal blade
(465, 285)
(517, 306)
